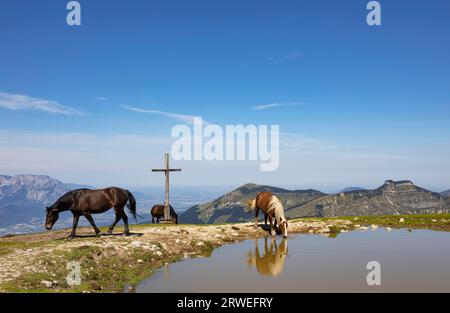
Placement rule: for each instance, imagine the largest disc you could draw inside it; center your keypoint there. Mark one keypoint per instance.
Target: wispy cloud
(101, 98)
(179, 117)
(292, 56)
(372, 156)
(274, 105)
(23, 102)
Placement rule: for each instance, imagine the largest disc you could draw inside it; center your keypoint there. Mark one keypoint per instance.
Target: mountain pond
(409, 261)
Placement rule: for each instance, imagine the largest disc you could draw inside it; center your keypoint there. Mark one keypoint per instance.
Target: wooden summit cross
(166, 170)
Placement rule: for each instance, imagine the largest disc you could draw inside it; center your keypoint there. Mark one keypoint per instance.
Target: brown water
(417, 261)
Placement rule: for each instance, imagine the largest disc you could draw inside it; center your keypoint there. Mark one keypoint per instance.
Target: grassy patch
(102, 270)
(7, 247)
(439, 222)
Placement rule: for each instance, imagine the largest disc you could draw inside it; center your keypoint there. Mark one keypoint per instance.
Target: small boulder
(47, 283)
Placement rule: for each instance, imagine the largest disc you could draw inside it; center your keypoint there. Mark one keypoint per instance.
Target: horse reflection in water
(271, 263)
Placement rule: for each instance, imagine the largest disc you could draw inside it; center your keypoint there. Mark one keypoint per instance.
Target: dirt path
(38, 262)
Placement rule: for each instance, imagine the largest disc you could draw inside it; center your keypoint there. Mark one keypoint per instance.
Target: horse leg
(125, 221)
(91, 221)
(271, 225)
(111, 228)
(74, 227)
(256, 216)
(265, 219)
(153, 220)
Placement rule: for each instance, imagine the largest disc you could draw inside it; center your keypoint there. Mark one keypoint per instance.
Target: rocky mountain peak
(35, 188)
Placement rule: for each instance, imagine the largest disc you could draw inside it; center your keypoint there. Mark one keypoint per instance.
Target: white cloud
(274, 105)
(23, 102)
(101, 98)
(179, 117)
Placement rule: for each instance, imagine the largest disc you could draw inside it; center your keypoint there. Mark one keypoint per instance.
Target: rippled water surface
(410, 261)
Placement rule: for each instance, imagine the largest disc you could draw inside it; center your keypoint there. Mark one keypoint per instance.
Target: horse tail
(131, 205)
(251, 205)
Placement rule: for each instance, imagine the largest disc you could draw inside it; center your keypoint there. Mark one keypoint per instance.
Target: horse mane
(66, 200)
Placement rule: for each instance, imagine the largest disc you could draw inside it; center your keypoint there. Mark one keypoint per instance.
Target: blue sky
(369, 103)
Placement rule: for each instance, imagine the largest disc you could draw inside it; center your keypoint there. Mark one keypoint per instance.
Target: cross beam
(166, 171)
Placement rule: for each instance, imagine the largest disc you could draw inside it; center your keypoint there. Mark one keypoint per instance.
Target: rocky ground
(38, 262)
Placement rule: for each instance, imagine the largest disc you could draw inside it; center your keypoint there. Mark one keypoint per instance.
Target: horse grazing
(272, 208)
(158, 212)
(84, 202)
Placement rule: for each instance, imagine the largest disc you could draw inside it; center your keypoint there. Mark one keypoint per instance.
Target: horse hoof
(126, 234)
(70, 237)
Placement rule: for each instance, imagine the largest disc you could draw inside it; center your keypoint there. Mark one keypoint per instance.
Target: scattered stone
(402, 220)
(140, 261)
(374, 227)
(389, 229)
(47, 283)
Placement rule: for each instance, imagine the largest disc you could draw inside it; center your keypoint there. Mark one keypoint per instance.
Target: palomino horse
(158, 212)
(271, 263)
(84, 202)
(272, 208)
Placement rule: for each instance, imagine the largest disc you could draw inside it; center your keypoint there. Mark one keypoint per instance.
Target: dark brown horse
(158, 212)
(84, 202)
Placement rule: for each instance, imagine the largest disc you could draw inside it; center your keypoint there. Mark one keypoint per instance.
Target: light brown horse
(84, 202)
(272, 208)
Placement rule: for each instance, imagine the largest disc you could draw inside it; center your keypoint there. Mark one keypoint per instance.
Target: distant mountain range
(23, 199)
(230, 207)
(393, 197)
(401, 197)
(348, 189)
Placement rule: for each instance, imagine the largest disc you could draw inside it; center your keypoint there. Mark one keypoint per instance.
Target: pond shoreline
(38, 262)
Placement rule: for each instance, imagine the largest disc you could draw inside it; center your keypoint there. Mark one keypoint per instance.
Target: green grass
(439, 222)
(7, 247)
(100, 270)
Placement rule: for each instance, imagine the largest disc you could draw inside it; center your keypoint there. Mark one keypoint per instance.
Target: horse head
(52, 217)
(284, 228)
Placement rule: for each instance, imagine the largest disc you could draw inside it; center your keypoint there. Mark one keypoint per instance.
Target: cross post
(166, 171)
